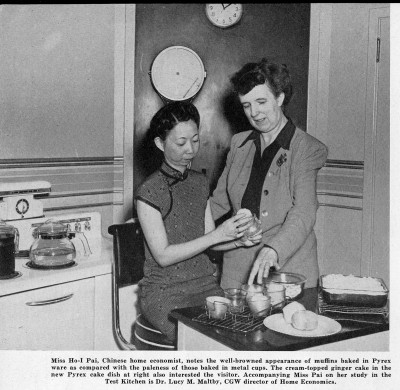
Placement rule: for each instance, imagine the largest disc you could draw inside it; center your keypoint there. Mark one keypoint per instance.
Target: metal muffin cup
(217, 307)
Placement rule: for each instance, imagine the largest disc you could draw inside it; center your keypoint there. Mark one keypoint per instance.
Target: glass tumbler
(259, 305)
(237, 297)
(253, 289)
(252, 230)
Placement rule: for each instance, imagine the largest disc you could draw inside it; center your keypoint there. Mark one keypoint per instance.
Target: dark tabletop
(264, 339)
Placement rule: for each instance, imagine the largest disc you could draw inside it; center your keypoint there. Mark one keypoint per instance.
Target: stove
(88, 223)
(21, 207)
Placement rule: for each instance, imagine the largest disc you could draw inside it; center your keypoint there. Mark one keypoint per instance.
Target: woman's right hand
(233, 228)
(251, 241)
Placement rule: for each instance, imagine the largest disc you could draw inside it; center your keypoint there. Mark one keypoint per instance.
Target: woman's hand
(266, 258)
(232, 229)
(251, 241)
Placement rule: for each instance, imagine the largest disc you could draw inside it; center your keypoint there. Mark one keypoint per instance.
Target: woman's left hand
(266, 258)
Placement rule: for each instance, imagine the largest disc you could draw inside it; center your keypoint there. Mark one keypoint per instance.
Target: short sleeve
(150, 193)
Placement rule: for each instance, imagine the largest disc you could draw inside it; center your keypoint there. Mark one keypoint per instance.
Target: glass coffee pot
(53, 247)
(9, 238)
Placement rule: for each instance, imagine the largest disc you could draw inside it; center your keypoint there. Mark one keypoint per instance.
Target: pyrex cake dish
(353, 290)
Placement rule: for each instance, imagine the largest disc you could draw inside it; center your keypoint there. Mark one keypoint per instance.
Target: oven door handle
(49, 301)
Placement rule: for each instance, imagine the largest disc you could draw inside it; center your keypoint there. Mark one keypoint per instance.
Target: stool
(128, 261)
(146, 337)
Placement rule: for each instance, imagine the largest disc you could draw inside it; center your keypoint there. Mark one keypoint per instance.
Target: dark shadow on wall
(234, 114)
(147, 157)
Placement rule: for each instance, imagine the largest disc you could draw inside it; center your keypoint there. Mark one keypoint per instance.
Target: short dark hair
(170, 115)
(276, 76)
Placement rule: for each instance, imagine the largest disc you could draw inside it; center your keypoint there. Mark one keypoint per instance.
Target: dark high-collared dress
(181, 200)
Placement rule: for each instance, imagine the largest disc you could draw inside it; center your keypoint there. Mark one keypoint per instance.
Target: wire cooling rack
(238, 322)
(353, 313)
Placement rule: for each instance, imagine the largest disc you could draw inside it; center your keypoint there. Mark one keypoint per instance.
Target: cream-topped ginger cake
(350, 283)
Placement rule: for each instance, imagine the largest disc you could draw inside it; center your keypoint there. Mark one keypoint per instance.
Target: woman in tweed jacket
(272, 171)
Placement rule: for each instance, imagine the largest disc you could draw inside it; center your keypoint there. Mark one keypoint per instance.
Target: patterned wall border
(95, 181)
(345, 164)
(98, 181)
(340, 184)
(57, 162)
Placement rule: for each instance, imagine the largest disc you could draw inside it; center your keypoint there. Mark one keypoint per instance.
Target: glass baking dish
(354, 297)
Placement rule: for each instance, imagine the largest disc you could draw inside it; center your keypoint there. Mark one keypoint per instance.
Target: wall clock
(177, 74)
(224, 15)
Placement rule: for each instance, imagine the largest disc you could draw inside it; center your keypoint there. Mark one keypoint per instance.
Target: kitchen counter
(96, 264)
(194, 335)
(81, 294)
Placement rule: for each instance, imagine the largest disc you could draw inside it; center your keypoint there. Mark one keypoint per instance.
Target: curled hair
(276, 76)
(170, 115)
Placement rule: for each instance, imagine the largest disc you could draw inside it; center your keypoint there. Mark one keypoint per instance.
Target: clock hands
(190, 87)
(224, 6)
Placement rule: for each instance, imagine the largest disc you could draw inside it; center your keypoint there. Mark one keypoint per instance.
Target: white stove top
(98, 263)
(88, 223)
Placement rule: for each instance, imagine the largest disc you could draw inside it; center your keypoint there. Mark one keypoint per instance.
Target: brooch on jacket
(282, 159)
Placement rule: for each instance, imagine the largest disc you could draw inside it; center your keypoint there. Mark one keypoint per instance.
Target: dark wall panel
(276, 31)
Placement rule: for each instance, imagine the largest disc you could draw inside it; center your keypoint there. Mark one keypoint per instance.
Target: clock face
(224, 15)
(177, 73)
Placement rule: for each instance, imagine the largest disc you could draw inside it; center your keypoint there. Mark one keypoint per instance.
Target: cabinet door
(59, 317)
(376, 213)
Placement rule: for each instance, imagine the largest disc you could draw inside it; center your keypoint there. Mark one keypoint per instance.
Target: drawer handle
(49, 301)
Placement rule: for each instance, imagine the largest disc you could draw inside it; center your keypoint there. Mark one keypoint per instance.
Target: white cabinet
(59, 317)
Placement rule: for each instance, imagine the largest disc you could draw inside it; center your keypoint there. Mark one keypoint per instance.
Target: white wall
(66, 104)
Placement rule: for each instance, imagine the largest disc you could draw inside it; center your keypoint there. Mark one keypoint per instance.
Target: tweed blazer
(287, 209)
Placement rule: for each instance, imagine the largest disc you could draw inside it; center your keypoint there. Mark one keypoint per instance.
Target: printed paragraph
(221, 371)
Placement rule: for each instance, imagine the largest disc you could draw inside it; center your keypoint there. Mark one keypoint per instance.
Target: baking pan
(353, 297)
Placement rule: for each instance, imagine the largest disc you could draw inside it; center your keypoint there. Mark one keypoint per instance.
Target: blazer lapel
(240, 173)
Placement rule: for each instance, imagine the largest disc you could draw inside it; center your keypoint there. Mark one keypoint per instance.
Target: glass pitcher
(53, 247)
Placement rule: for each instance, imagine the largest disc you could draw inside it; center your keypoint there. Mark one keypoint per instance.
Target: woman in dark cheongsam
(174, 212)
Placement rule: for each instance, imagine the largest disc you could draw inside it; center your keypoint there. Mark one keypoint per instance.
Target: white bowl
(294, 283)
(276, 292)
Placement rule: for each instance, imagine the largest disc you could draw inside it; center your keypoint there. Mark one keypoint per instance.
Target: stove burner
(14, 275)
(31, 264)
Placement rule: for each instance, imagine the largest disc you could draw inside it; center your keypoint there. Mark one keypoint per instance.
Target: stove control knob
(68, 227)
(87, 225)
(77, 227)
